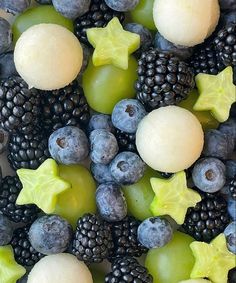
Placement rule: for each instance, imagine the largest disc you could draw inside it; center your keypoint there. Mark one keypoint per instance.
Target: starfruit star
(217, 93)
(10, 271)
(213, 260)
(41, 186)
(173, 197)
(112, 44)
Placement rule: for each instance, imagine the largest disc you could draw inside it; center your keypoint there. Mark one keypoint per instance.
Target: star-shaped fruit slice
(217, 93)
(41, 186)
(10, 271)
(213, 260)
(173, 197)
(113, 44)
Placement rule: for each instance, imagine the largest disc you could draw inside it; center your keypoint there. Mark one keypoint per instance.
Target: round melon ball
(186, 22)
(60, 268)
(48, 56)
(170, 139)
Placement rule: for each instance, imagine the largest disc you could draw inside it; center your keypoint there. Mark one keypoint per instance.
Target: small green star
(41, 186)
(112, 44)
(172, 197)
(10, 271)
(217, 93)
(213, 260)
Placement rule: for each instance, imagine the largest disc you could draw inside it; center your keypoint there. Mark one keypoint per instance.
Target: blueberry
(103, 145)
(229, 129)
(4, 138)
(232, 208)
(44, 2)
(209, 175)
(145, 34)
(5, 35)
(50, 234)
(6, 230)
(111, 202)
(218, 144)
(87, 52)
(68, 145)
(230, 169)
(127, 114)
(101, 173)
(154, 232)
(7, 66)
(230, 234)
(72, 9)
(163, 45)
(227, 5)
(101, 122)
(233, 109)
(228, 18)
(122, 5)
(127, 168)
(15, 6)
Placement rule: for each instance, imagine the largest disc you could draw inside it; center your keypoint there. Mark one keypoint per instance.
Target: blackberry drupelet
(63, 107)
(24, 253)
(205, 60)
(19, 106)
(127, 269)
(125, 239)
(9, 191)
(208, 218)
(126, 141)
(28, 150)
(225, 45)
(92, 240)
(232, 188)
(99, 15)
(163, 79)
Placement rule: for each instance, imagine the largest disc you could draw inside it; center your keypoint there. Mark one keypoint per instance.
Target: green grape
(143, 14)
(39, 15)
(104, 86)
(173, 262)
(80, 199)
(139, 196)
(205, 118)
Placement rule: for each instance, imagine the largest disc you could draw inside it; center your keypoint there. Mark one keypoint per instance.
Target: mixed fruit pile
(119, 121)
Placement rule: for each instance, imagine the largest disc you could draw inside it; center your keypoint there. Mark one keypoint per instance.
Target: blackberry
(232, 276)
(126, 141)
(28, 150)
(208, 218)
(24, 253)
(225, 45)
(65, 107)
(205, 60)
(92, 240)
(9, 191)
(232, 188)
(127, 269)
(124, 234)
(19, 106)
(99, 15)
(163, 79)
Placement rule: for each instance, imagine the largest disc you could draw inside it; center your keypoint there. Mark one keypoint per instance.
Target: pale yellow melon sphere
(60, 268)
(186, 22)
(169, 139)
(195, 281)
(48, 56)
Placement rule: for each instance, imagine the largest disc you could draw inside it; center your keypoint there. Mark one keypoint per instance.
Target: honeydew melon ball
(186, 22)
(48, 56)
(170, 139)
(60, 268)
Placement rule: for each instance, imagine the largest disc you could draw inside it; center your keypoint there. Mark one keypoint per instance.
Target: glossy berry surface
(5, 34)
(6, 230)
(230, 234)
(7, 66)
(111, 202)
(15, 6)
(101, 173)
(100, 122)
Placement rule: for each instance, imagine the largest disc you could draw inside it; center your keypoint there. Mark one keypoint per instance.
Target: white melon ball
(195, 281)
(48, 56)
(186, 22)
(170, 139)
(60, 268)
